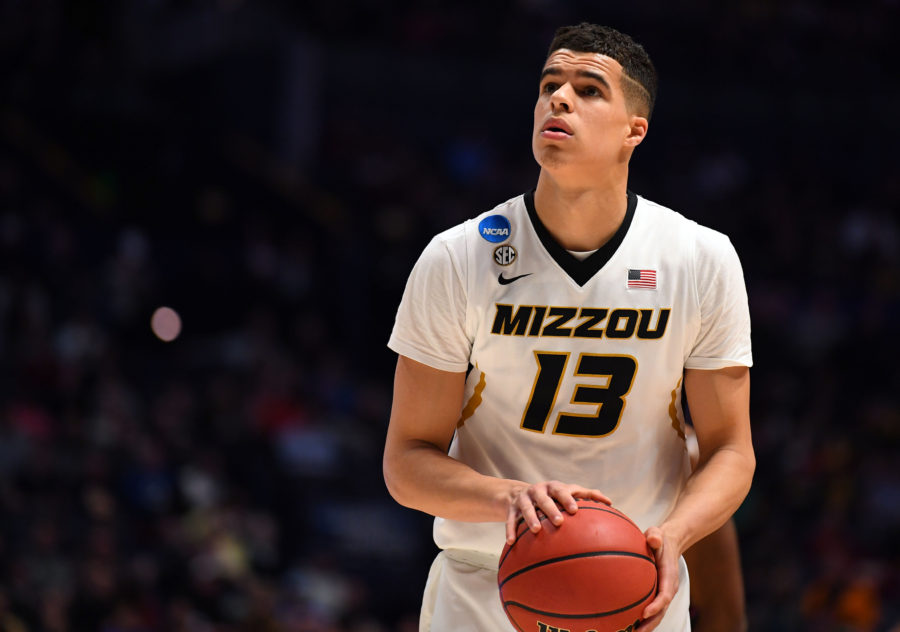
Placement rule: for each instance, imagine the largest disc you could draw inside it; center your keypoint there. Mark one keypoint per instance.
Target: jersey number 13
(619, 371)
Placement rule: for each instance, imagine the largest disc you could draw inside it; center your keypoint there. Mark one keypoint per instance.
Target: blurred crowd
(271, 173)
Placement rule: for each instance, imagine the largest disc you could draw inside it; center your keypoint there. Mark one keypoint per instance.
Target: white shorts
(463, 597)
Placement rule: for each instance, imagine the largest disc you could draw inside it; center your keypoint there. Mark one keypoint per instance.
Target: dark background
(271, 170)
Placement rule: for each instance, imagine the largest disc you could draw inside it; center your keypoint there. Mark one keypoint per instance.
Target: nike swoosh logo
(504, 281)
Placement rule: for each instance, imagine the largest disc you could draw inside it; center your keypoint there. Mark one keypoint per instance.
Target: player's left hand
(666, 553)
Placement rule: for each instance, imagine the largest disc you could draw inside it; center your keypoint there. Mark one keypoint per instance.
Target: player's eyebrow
(556, 71)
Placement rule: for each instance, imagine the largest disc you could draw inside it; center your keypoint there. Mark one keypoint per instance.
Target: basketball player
(543, 344)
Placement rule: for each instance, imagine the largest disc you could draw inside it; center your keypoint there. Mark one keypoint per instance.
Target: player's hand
(666, 554)
(547, 497)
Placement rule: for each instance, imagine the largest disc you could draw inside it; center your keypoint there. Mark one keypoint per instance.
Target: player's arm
(420, 474)
(719, 401)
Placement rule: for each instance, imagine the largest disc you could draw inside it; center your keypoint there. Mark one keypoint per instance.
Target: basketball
(595, 572)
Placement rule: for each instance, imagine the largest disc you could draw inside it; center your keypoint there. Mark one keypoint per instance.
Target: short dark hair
(636, 64)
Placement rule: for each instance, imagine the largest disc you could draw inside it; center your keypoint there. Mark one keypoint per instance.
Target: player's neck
(580, 218)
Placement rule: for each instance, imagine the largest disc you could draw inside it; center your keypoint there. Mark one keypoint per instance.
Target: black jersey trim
(580, 271)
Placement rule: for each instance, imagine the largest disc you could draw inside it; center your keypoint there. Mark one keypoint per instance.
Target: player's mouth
(556, 129)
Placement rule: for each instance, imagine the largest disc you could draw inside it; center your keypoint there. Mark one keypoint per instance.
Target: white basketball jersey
(577, 365)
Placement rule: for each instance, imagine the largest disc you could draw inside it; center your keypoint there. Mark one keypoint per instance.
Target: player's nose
(561, 99)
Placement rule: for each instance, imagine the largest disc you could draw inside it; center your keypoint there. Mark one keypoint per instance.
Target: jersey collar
(580, 271)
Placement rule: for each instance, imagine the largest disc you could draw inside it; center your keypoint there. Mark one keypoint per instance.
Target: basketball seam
(614, 512)
(511, 619)
(609, 510)
(574, 556)
(509, 550)
(578, 616)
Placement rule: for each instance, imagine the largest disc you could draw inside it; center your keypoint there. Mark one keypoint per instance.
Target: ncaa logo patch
(504, 255)
(494, 228)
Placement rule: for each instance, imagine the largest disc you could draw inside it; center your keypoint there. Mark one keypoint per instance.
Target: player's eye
(591, 91)
(549, 87)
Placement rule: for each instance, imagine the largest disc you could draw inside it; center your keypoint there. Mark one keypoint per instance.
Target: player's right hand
(547, 497)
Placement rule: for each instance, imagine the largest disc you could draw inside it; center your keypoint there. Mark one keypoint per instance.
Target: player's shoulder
(494, 225)
(662, 218)
(455, 244)
(702, 240)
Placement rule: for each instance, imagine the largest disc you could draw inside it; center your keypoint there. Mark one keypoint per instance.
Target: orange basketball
(595, 572)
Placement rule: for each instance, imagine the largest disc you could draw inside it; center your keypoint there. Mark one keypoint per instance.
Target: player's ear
(637, 130)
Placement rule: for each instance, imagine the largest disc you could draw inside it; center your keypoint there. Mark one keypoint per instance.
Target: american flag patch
(642, 279)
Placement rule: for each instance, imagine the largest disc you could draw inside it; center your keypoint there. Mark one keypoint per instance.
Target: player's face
(581, 121)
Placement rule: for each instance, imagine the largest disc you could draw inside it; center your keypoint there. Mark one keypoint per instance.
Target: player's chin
(549, 155)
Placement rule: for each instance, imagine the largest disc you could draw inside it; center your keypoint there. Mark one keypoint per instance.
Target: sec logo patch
(504, 255)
